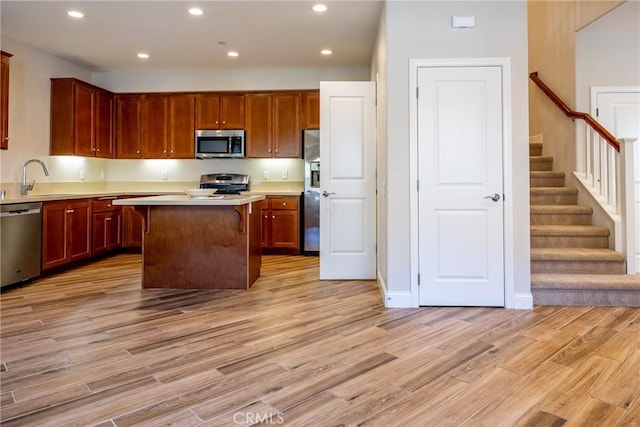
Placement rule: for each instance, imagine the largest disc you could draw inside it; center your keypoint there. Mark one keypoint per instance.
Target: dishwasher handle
(20, 212)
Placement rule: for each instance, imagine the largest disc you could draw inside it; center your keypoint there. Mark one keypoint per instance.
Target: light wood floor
(88, 348)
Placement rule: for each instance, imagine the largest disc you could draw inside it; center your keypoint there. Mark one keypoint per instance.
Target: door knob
(495, 197)
(325, 194)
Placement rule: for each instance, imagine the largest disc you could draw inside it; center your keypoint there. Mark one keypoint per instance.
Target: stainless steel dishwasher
(21, 242)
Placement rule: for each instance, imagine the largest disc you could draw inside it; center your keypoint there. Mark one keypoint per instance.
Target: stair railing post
(626, 200)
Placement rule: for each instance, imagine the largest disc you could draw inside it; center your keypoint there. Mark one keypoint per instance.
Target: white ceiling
(267, 34)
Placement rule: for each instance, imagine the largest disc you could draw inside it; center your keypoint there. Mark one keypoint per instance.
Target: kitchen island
(200, 243)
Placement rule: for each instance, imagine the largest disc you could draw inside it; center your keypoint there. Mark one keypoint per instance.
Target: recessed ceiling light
(143, 55)
(319, 8)
(75, 14)
(233, 53)
(196, 11)
(326, 51)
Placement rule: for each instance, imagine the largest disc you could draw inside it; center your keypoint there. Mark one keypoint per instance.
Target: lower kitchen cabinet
(281, 223)
(107, 226)
(133, 227)
(66, 232)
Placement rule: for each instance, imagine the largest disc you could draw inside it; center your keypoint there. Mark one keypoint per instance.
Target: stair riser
(578, 267)
(560, 219)
(602, 298)
(546, 182)
(569, 242)
(540, 165)
(554, 199)
(535, 149)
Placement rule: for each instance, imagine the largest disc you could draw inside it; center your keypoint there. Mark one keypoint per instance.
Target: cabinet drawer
(104, 205)
(284, 203)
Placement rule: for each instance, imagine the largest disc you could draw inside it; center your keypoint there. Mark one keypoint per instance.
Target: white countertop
(184, 200)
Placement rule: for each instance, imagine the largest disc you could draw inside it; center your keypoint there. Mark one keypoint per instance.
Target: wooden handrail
(604, 133)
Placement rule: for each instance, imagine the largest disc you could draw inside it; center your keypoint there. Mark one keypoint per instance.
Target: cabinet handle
(69, 211)
(108, 219)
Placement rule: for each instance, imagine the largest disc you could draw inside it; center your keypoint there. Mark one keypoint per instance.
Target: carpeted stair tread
(576, 254)
(553, 190)
(568, 230)
(560, 209)
(586, 281)
(546, 174)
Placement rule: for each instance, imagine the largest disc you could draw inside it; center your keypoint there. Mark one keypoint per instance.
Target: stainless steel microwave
(213, 144)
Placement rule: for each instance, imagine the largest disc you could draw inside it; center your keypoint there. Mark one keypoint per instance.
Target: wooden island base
(201, 247)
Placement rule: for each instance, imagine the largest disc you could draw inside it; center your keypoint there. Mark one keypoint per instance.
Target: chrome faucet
(28, 187)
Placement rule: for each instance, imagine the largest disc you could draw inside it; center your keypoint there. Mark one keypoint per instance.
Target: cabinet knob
(98, 150)
(164, 151)
(273, 217)
(284, 204)
(276, 150)
(6, 138)
(224, 122)
(269, 150)
(217, 122)
(108, 219)
(171, 151)
(137, 151)
(69, 211)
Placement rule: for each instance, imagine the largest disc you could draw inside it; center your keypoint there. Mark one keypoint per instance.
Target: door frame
(511, 300)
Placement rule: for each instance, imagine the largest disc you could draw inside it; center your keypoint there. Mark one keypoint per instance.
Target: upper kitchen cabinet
(155, 126)
(216, 111)
(182, 126)
(273, 125)
(4, 100)
(155, 116)
(310, 110)
(129, 126)
(81, 119)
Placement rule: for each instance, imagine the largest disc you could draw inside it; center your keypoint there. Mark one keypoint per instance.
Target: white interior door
(347, 180)
(619, 112)
(460, 199)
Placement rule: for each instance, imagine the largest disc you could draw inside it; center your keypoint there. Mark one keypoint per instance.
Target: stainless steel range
(225, 183)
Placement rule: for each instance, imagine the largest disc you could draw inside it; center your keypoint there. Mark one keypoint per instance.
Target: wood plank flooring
(88, 347)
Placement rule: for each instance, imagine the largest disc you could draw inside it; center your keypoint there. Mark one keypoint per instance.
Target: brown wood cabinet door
(266, 227)
(286, 125)
(99, 233)
(232, 112)
(155, 118)
(83, 123)
(54, 234)
(128, 126)
(133, 227)
(259, 125)
(4, 100)
(310, 110)
(104, 125)
(107, 231)
(79, 229)
(182, 126)
(207, 111)
(285, 229)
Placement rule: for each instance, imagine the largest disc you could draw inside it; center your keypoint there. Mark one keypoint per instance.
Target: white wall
(422, 30)
(379, 75)
(605, 58)
(29, 94)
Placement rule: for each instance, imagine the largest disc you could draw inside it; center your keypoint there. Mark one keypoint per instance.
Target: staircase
(571, 263)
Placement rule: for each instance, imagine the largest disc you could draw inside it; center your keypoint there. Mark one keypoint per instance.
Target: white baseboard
(394, 299)
(523, 301)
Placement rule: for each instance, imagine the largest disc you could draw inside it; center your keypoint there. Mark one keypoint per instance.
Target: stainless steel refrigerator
(311, 208)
